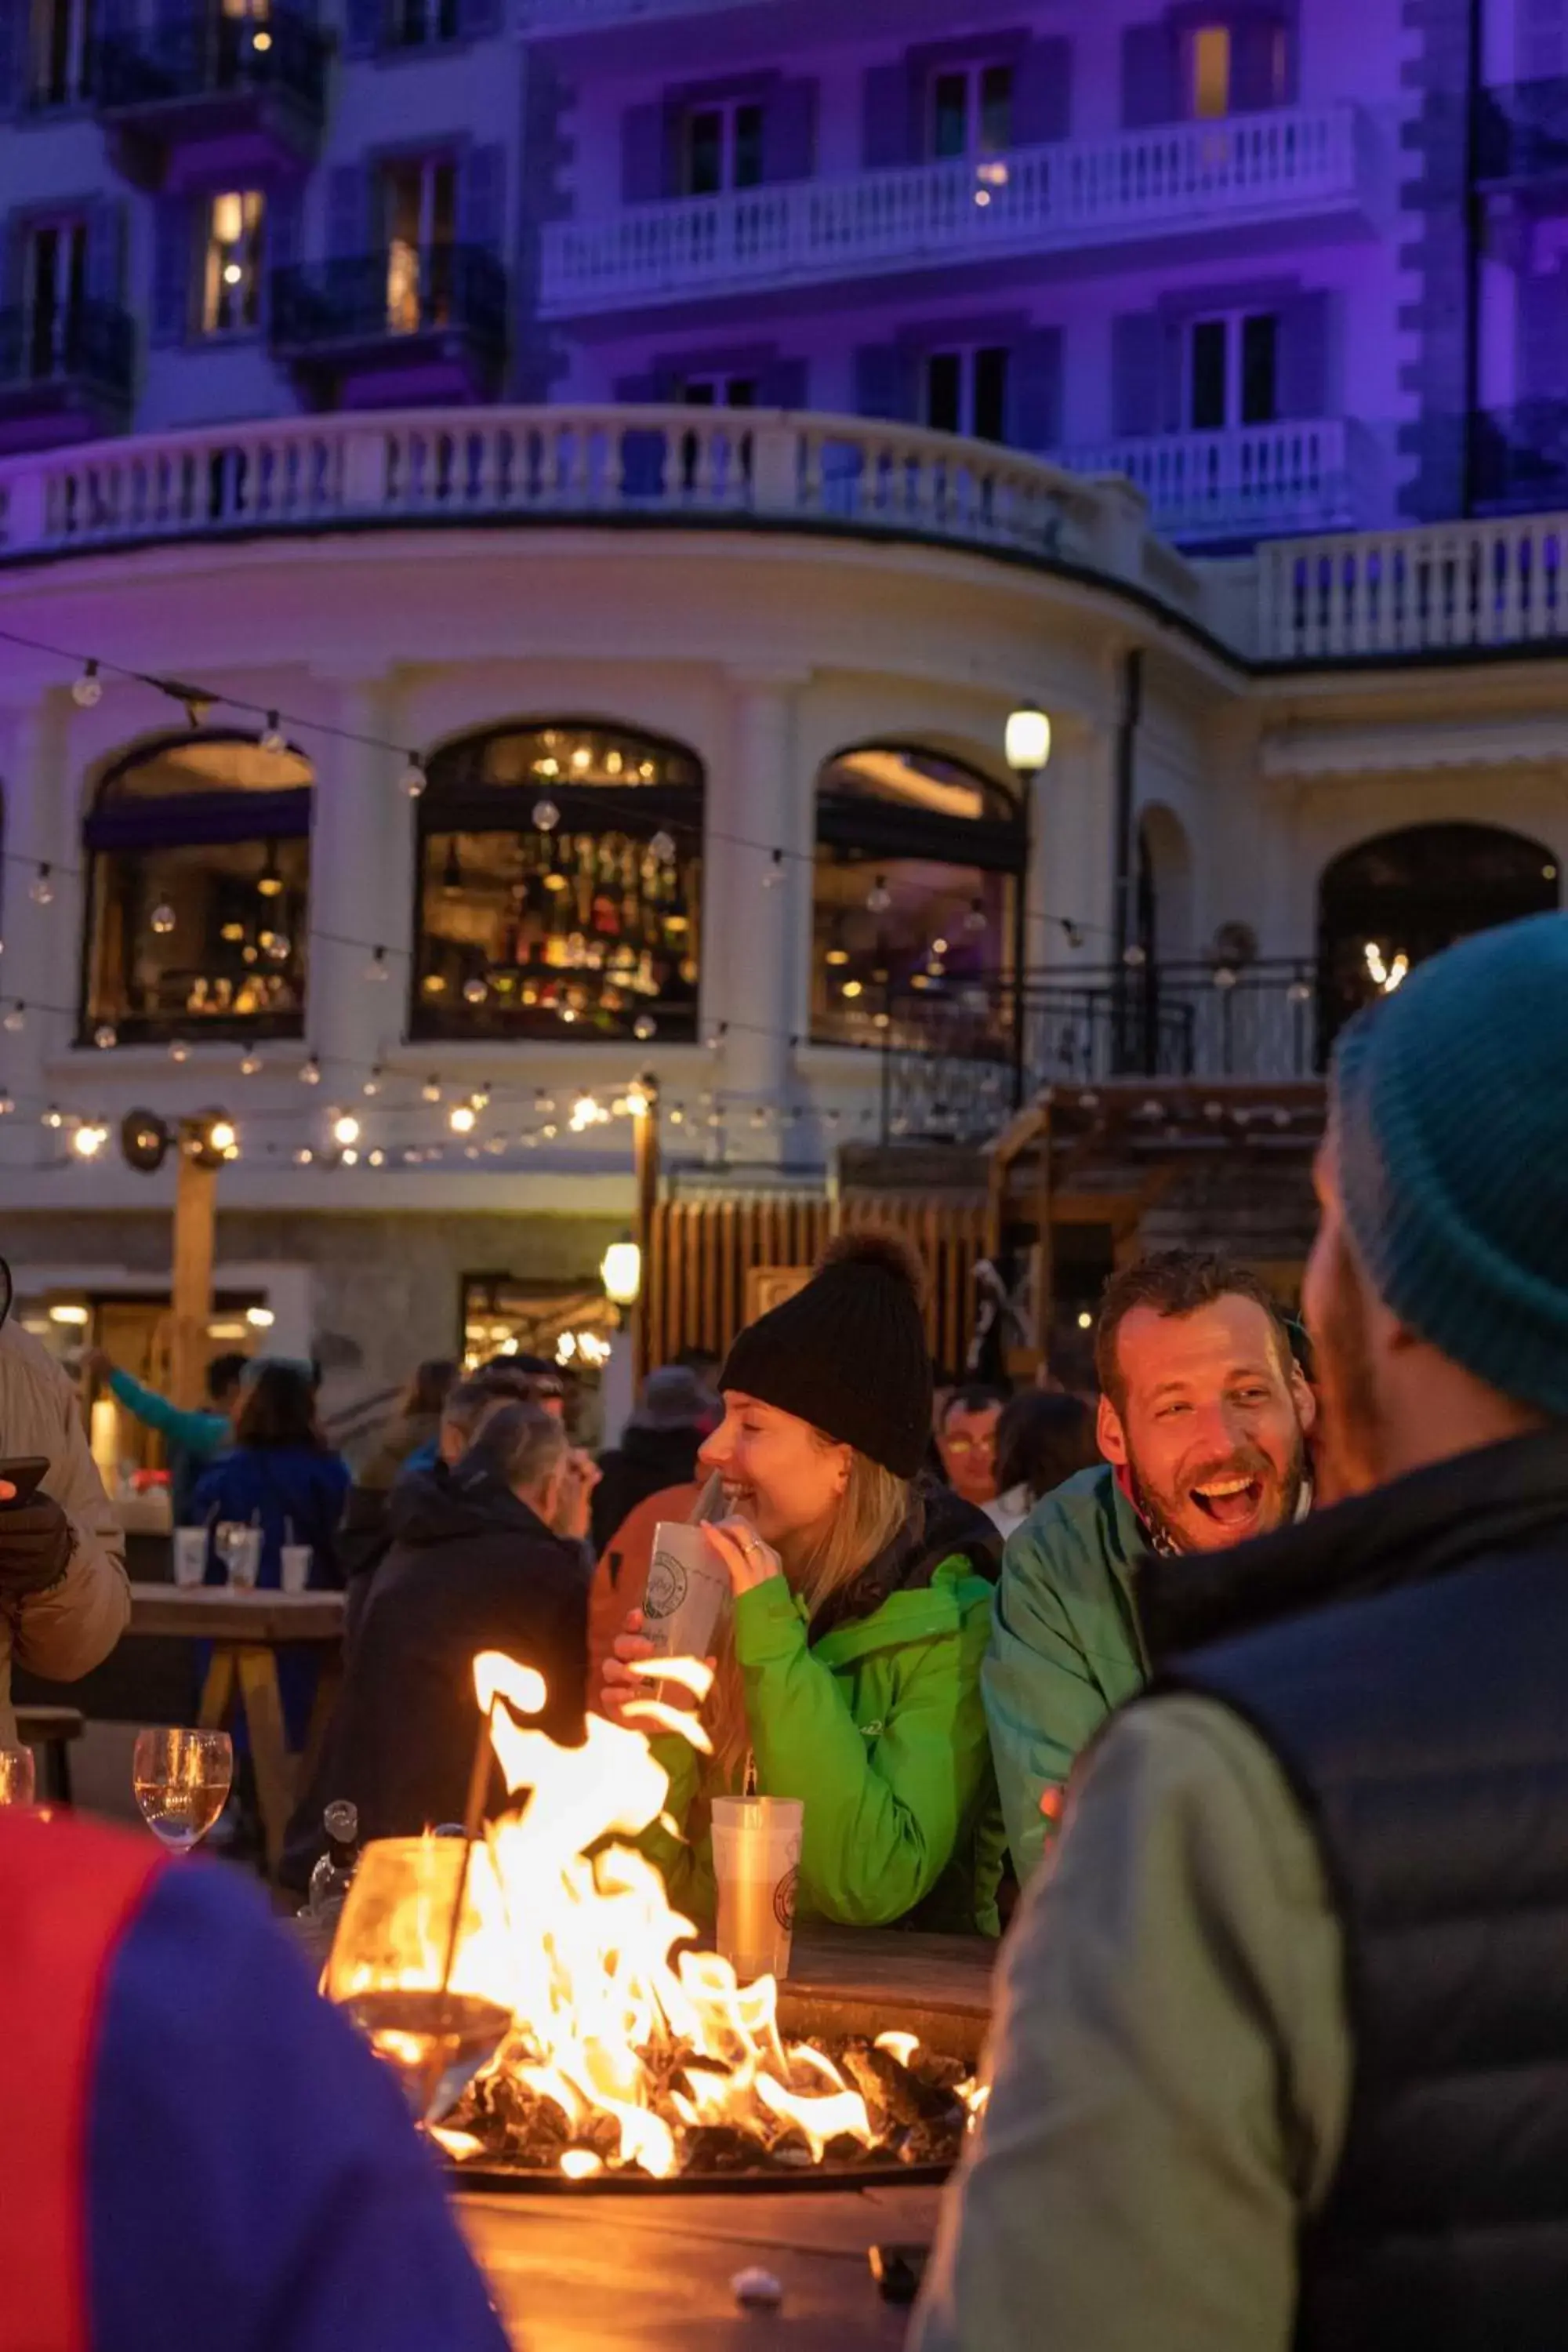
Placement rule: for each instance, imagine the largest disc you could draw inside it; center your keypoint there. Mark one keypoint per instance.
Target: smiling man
(1204, 1417)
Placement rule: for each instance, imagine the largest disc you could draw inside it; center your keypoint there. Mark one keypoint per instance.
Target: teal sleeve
(199, 1435)
(885, 1806)
(1042, 1702)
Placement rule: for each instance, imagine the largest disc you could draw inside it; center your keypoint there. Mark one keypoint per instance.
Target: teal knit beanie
(1451, 1136)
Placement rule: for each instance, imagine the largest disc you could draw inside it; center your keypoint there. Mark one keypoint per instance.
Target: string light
(271, 736)
(311, 1071)
(460, 1118)
(878, 897)
(373, 1083)
(431, 1090)
(546, 815)
(1134, 956)
(53, 1116)
(270, 882)
(90, 1139)
(775, 871)
(249, 1064)
(975, 921)
(178, 1050)
(415, 779)
(662, 846)
(351, 1156)
(88, 690)
(480, 1096)
(303, 1156)
(15, 1020)
(7, 1104)
(41, 888)
(105, 1035)
(475, 990)
(161, 919)
(378, 968)
(345, 1127)
(644, 1027)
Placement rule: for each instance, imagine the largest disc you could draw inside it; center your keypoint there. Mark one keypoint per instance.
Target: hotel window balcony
(246, 72)
(403, 324)
(1282, 167)
(66, 374)
(1247, 481)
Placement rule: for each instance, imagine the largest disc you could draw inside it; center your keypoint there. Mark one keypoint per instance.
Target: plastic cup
(190, 1555)
(245, 1562)
(295, 1567)
(756, 1861)
(688, 1585)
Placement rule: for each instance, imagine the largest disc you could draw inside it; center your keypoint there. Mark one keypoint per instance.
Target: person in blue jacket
(192, 1434)
(279, 1474)
(213, 2157)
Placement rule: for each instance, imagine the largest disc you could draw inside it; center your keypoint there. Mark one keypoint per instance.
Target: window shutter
(483, 196)
(1543, 336)
(1148, 76)
(884, 383)
(890, 133)
(789, 131)
(1305, 329)
(644, 153)
(13, 49)
(1042, 93)
(284, 212)
(348, 210)
(783, 385)
(1037, 389)
(1137, 352)
(363, 27)
(106, 253)
(173, 252)
(479, 19)
(1254, 52)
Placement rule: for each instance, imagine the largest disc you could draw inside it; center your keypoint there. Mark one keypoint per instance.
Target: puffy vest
(68, 1890)
(1426, 1731)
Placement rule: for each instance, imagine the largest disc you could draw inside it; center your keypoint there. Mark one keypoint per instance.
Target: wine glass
(236, 1550)
(16, 1775)
(182, 1780)
(394, 1952)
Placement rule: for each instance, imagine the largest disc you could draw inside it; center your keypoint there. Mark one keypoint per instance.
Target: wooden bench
(51, 1729)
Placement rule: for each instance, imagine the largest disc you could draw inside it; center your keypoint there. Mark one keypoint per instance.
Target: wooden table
(650, 2272)
(246, 1629)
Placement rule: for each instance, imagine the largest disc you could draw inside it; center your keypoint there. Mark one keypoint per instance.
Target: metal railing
(363, 299)
(1077, 192)
(955, 1068)
(92, 344)
(206, 54)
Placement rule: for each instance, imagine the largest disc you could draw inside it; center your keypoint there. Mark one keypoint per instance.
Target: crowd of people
(1240, 1678)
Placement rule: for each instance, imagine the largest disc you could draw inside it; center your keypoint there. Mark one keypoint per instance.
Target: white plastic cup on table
(756, 1862)
(190, 1555)
(294, 1566)
(16, 1775)
(688, 1585)
(239, 1549)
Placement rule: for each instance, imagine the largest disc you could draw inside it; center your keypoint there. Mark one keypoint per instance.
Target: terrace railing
(1424, 589)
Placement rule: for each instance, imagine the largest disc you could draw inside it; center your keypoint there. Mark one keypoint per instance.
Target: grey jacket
(69, 1629)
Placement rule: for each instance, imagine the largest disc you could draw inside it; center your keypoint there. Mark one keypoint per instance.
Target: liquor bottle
(334, 1871)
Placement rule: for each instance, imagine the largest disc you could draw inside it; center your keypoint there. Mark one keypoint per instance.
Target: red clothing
(621, 1578)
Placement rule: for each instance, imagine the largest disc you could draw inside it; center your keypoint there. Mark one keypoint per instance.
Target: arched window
(199, 852)
(1389, 902)
(920, 862)
(560, 886)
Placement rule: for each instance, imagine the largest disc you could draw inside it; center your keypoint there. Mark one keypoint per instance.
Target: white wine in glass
(182, 1780)
(16, 1775)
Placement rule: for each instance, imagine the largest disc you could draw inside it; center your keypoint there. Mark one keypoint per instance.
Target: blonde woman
(849, 1668)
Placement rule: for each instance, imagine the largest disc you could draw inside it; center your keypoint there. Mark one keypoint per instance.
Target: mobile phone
(22, 1471)
(897, 2271)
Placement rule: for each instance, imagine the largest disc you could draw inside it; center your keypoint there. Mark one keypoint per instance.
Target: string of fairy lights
(712, 1110)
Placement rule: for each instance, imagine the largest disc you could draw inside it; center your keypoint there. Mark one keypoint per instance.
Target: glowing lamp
(621, 1273)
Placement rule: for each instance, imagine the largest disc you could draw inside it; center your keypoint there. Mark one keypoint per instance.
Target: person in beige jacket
(64, 1598)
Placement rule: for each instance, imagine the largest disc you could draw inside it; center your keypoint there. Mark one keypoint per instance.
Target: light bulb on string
(89, 1139)
(8, 1103)
(87, 689)
(378, 968)
(543, 1103)
(373, 1083)
(250, 1063)
(662, 846)
(351, 1156)
(41, 888)
(1072, 932)
(15, 1020)
(431, 1090)
(461, 1117)
(546, 815)
(161, 919)
(644, 1027)
(311, 1071)
(775, 874)
(274, 945)
(481, 1095)
(270, 882)
(1133, 956)
(303, 1156)
(716, 1037)
(105, 1035)
(179, 1051)
(475, 990)
(976, 920)
(378, 1159)
(345, 1127)
(54, 1116)
(413, 778)
(271, 736)
(878, 897)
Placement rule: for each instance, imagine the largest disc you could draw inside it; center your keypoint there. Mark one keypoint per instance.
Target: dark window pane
(1260, 396)
(1208, 409)
(705, 152)
(996, 110)
(697, 393)
(949, 114)
(748, 146)
(944, 391)
(443, 202)
(447, 20)
(991, 393)
(740, 391)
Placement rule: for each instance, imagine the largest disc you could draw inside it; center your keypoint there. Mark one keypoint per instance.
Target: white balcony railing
(658, 465)
(1246, 482)
(1431, 587)
(1078, 193)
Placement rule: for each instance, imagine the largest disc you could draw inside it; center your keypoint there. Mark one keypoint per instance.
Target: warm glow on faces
(1212, 1425)
(967, 1443)
(778, 1471)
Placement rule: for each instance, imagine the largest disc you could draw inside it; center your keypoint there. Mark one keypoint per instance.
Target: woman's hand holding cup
(620, 1684)
(748, 1559)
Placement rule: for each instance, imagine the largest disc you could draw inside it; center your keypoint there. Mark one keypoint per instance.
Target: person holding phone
(64, 1599)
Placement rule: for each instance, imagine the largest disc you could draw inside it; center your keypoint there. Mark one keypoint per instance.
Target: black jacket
(646, 1461)
(471, 1568)
(1404, 1656)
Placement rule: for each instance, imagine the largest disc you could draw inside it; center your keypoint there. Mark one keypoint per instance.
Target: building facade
(521, 533)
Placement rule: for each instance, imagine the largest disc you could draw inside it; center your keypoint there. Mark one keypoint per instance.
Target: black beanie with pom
(848, 1352)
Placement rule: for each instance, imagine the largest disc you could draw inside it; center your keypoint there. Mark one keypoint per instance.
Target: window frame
(69, 287)
(973, 73)
(249, 290)
(43, 17)
(1236, 325)
(968, 358)
(426, 265)
(728, 112)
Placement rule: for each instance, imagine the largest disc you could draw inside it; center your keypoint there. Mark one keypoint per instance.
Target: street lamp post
(1026, 743)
